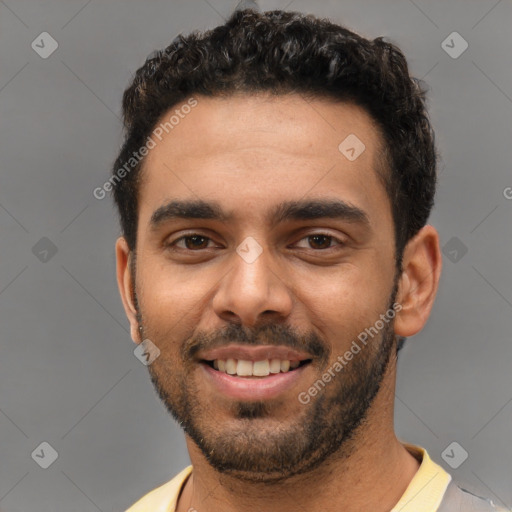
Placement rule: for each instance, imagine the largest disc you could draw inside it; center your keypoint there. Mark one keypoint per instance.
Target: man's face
(258, 287)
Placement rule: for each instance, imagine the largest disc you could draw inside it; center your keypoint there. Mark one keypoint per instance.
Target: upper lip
(251, 353)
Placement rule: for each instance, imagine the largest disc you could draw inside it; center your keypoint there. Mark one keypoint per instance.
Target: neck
(373, 477)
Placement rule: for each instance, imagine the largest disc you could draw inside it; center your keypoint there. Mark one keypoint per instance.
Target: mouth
(254, 373)
(258, 369)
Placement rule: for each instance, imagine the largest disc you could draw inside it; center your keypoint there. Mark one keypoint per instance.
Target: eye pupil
(195, 238)
(324, 237)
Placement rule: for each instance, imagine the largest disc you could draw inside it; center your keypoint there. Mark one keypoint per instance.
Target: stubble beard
(251, 450)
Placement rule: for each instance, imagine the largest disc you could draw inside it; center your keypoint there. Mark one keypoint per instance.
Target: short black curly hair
(288, 52)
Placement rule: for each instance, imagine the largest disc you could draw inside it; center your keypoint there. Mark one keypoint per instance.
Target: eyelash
(172, 245)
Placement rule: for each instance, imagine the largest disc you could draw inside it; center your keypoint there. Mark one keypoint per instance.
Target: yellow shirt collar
(426, 490)
(424, 493)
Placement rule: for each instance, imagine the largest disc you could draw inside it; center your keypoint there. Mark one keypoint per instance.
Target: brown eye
(192, 242)
(196, 242)
(321, 241)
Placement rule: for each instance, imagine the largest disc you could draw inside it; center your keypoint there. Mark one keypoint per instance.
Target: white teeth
(231, 366)
(275, 365)
(261, 368)
(246, 368)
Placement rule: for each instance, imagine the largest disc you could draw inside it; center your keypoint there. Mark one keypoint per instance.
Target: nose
(252, 292)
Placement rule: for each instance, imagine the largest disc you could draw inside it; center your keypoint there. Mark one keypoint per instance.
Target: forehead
(260, 150)
(243, 121)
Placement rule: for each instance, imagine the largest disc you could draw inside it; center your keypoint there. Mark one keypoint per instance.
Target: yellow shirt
(424, 493)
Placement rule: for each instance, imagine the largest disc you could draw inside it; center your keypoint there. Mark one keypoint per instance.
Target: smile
(245, 372)
(263, 368)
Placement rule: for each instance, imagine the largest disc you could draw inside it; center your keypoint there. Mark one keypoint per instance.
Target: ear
(422, 263)
(126, 287)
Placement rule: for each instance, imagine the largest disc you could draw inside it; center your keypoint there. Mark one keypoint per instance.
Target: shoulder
(457, 497)
(163, 498)
(432, 488)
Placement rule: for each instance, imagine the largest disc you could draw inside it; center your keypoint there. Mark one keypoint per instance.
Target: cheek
(344, 301)
(170, 302)
(355, 284)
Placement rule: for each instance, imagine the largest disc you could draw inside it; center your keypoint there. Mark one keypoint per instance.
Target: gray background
(68, 375)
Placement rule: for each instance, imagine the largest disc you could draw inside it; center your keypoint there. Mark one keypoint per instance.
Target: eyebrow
(285, 211)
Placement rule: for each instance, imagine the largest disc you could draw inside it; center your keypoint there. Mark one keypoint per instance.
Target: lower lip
(253, 388)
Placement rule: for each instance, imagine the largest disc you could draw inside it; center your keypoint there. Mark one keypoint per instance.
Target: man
(274, 188)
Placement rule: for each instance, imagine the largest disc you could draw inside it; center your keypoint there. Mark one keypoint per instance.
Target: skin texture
(250, 153)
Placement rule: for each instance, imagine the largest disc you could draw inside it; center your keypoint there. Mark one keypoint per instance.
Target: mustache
(268, 334)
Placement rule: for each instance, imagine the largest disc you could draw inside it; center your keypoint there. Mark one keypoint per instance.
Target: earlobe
(419, 281)
(126, 287)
